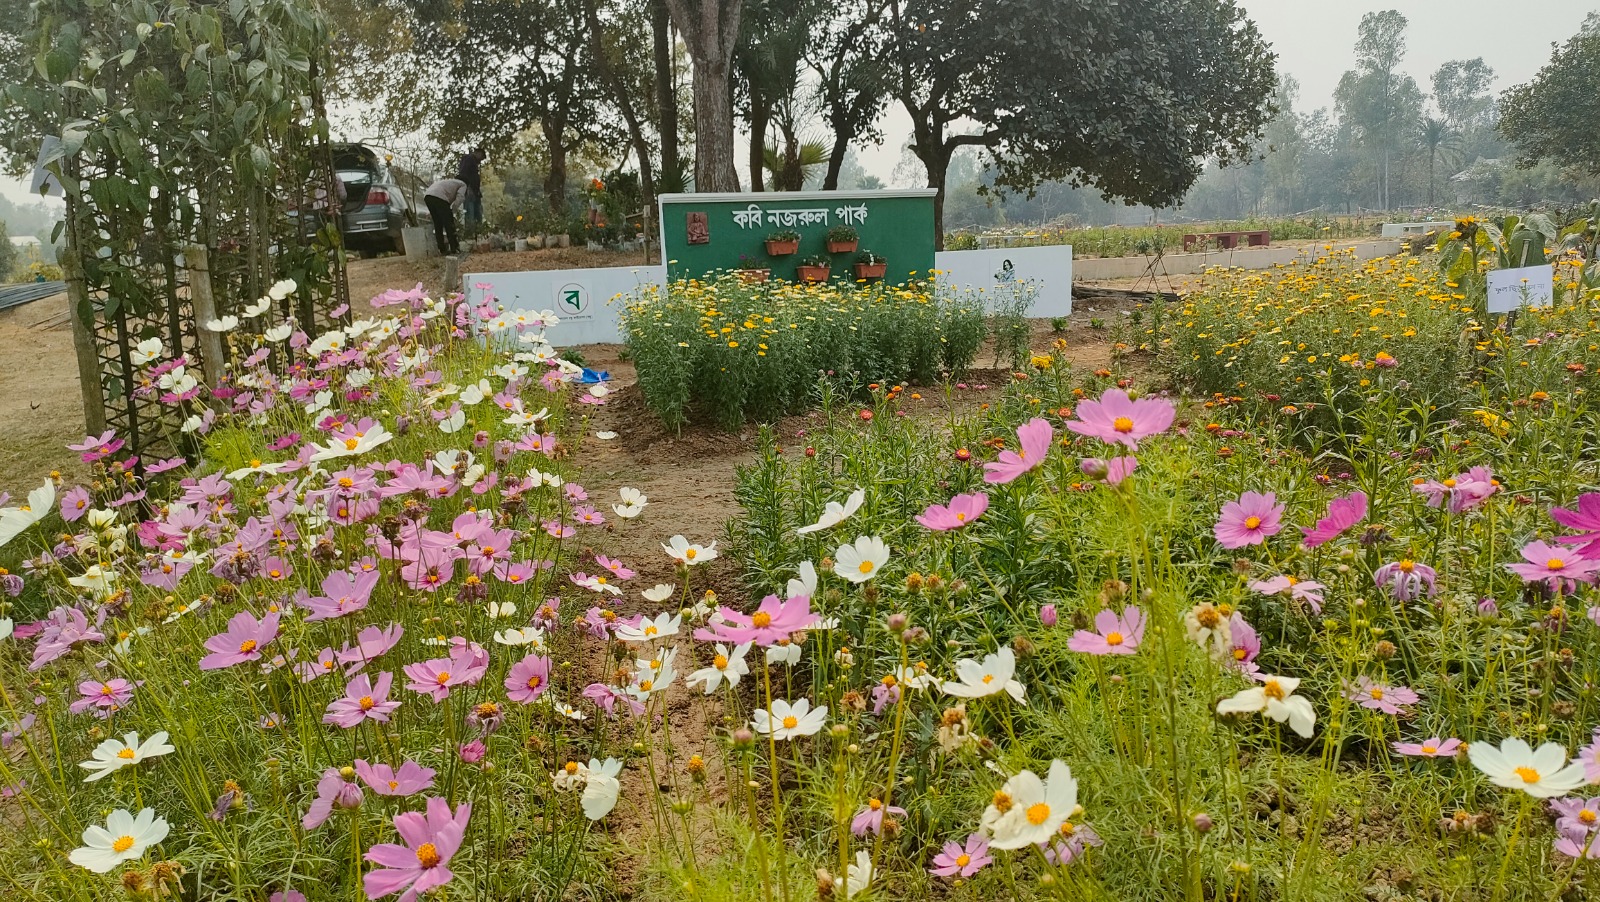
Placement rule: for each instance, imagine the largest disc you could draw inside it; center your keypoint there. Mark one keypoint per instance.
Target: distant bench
(1229, 240)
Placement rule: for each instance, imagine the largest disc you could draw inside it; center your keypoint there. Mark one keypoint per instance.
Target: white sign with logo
(584, 300)
(1527, 286)
(1047, 270)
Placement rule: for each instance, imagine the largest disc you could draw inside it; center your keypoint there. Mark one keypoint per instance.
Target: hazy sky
(1314, 40)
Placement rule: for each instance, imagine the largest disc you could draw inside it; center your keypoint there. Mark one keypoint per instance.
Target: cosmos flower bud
(1202, 823)
(743, 739)
(898, 622)
(1047, 615)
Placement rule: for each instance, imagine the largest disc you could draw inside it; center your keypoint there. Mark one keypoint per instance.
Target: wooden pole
(80, 312)
(452, 274)
(198, 260)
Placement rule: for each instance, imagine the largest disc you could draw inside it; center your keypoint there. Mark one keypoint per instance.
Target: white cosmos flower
(510, 371)
(651, 629)
(453, 422)
(727, 665)
(255, 466)
(262, 305)
(279, 332)
(6, 628)
(1274, 697)
(995, 673)
(1028, 811)
(320, 402)
(659, 592)
(862, 560)
(569, 712)
(358, 378)
(601, 788)
(551, 479)
(13, 520)
(835, 513)
(282, 289)
(95, 581)
(123, 838)
(499, 609)
(787, 721)
(605, 435)
(147, 351)
(684, 552)
(527, 635)
(1542, 773)
(225, 324)
(599, 583)
(654, 675)
(352, 447)
(859, 875)
(805, 584)
(332, 340)
(474, 394)
(115, 754)
(786, 653)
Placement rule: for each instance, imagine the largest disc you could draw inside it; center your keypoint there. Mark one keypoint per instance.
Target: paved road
(15, 295)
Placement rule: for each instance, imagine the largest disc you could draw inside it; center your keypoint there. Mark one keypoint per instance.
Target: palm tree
(1440, 140)
(793, 166)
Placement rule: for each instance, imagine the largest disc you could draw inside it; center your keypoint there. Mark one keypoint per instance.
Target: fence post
(94, 401)
(452, 274)
(198, 260)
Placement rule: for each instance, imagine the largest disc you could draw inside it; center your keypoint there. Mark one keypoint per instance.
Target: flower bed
(727, 350)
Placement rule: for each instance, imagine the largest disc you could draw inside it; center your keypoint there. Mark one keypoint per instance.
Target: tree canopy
(1553, 116)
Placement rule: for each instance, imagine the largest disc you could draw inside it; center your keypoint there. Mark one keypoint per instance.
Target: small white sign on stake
(1527, 286)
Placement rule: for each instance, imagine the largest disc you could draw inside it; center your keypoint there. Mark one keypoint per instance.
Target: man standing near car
(468, 172)
(442, 198)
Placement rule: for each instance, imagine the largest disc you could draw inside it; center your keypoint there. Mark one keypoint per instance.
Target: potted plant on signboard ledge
(870, 266)
(750, 273)
(842, 239)
(814, 269)
(784, 243)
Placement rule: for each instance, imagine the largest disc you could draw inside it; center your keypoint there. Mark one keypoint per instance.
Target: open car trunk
(358, 168)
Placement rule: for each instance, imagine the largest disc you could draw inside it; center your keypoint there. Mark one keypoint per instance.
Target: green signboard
(701, 233)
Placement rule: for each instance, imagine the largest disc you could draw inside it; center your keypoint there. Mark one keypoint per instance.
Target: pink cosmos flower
(1432, 747)
(371, 642)
(1116, 420)
(1590, 756)
(333, 791)
(1586, 520)
(102, 698)
(1378, 697)
(1065, 851)
(962, 510)
(772, 622)
(1246, 645)
(528, 679)
(1112, 472)
(75, 504)
(1047, 615)
(327, 661)
(606, 697)
(1343, 513)
(61, 630)
(96, 447)
(363, 700)
(386, 781)
(1113, 635)
(617, 568)
(1250, 520)
(870, 818)
(1308, 591)
(436, 677)
(245, 639)
(1562, 568)
(420, 865)
(1406, 579)
(1035, 437)
(958, 860)
(343, 593)
(1459, 493)
(587, 515)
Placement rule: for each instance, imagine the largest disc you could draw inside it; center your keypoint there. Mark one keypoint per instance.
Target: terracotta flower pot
(752, 276)
(812, 273)
(843, 247)
(782, 248)
(871, 270)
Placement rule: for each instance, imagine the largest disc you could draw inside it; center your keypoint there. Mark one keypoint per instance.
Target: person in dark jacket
(442, 197)
(469, 172)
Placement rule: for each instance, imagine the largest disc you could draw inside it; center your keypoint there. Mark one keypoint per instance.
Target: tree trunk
(555, 184)
(711, 29)
(759, 116)
(938, 164)
(1431, 167)
(841, 147)
(666, 87)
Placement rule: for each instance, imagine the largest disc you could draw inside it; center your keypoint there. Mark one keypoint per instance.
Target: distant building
(26, 241)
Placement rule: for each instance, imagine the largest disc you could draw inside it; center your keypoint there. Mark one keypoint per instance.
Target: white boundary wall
(1244, 258)
(992, 270)
(584, 300)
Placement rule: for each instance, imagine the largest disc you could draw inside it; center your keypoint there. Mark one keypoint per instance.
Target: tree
(772, 45)
(1438, 138)
(8, 253)
(1553, 116)
(1081, 91)
(1461, 91)
(666, 84)
(1373, 99)
(711, 32)
(853, 80)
